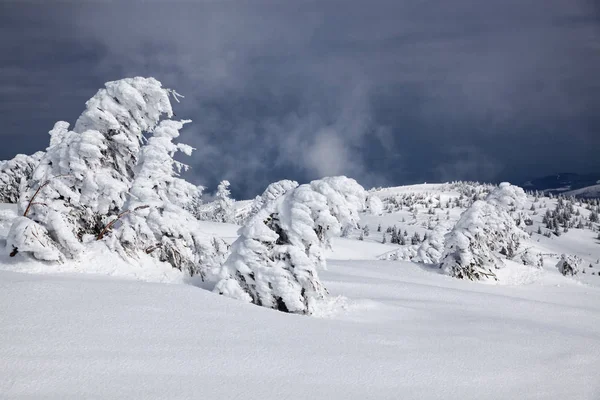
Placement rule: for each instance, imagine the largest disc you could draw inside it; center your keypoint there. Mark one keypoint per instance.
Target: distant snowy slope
(561, 183)
(586, 192)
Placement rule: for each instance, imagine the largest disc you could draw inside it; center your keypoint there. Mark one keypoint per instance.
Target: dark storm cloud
(386, 91)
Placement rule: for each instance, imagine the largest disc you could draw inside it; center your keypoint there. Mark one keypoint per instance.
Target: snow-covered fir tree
(156, 220)
(415, 239)
(194, 206)
(485, 233)
(366, 231)
(15, 175)
(84, 177)
(223, 210)
(275, 261)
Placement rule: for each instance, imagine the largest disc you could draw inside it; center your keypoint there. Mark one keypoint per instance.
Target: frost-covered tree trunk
(485, 233)
(85, 174)
(15, 175)
(275, 260)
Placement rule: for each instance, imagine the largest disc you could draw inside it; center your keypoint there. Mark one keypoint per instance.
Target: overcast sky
(388, 92)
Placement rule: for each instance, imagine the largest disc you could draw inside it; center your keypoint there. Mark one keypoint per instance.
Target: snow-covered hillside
(403, 332)
(390, 328)
(586, 192)
(120, 279)
(432, 209)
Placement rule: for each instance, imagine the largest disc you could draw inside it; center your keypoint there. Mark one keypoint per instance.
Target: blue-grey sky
(386, 91)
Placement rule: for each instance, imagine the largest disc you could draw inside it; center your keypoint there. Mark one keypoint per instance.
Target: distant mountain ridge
(589, 192)
(566, 183)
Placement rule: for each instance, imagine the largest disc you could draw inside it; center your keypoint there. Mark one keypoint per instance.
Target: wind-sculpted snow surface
(81, 337)
(15, 175)
(485, 233)
(274, 262)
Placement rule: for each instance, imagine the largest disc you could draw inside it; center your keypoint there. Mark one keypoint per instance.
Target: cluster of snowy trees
(471, 189)
(468, 193)
(401, 238)
(566, 216)
(489, 232)
(275, 261)
(485, 234)
(411, 201)
(113, 178)
(223, 208)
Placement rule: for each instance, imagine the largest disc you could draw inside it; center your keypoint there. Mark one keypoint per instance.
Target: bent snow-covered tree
(274, 191)
(431, 249)
(15, 175)
(485, 234)
(83, 178)
(275, 260)
(155, 220)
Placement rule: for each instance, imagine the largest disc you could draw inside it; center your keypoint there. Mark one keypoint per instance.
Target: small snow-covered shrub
(568, 264)
(532, 258)
(485, 234)
(374, 205)
(275, 260)
(431, 249)
(27, 236)
(15, 174)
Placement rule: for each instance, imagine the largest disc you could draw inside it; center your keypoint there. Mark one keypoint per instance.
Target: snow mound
(97, 260)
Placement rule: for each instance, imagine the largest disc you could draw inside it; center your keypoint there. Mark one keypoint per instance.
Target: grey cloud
(389, 91)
